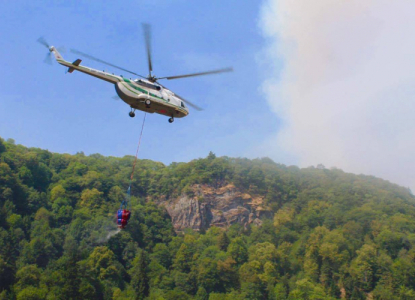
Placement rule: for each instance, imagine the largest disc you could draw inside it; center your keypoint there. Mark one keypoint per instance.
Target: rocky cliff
(205, 206)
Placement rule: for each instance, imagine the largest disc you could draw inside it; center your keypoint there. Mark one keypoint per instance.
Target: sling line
(126, 201)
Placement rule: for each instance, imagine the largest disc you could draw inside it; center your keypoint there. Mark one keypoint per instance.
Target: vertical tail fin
(55, 52)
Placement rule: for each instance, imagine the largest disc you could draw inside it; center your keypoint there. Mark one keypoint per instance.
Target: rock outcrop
(219, 207)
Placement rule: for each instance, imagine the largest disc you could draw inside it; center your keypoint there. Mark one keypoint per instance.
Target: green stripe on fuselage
(143, 90)
(152, 95)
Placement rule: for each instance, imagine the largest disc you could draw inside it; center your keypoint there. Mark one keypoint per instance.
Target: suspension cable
(126, 201)
(138, 148)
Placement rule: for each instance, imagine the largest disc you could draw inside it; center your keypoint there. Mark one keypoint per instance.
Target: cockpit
(147, 84)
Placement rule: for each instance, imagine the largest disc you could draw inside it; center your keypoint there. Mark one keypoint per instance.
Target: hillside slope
(213, 228)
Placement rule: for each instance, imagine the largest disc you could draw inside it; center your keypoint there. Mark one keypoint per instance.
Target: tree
(185, 282)
(6, 274)
(41, 176)
(217, 296)
(92, 199)
(305, 289)
(57, 192)
(280, 291)
(2, 146)
(176, 294)
(26, 176)
(28, 276)
(202, 294)
(183, 258)
(363, 268)
(162, 255)
(263, 252)
(251, 285)
(228, 274)
(32, 293)
(208, 275)
(223, 241)
(71, 275)
(103, 265)
(139, 277)
(211, 156)
(15, 221)
(238, 251)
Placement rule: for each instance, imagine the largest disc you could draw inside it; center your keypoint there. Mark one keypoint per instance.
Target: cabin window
(182, 104)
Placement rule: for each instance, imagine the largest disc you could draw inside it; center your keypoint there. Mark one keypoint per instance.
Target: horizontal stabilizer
(75, 63)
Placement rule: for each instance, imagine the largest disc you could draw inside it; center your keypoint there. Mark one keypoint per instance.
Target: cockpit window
(182, 104)
(147, 84)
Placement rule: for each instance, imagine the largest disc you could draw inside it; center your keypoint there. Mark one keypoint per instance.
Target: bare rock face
(219, 207)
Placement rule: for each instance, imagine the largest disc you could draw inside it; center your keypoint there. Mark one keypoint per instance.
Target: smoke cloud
(346, 90)
(107, 230)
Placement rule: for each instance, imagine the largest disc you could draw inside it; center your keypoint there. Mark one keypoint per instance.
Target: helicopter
(143, 93)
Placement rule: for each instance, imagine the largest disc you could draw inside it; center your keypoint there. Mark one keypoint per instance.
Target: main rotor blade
(42, 41)
(198, 74)
(184, 100)
(103, 62)
(147, 38)
(189, 103)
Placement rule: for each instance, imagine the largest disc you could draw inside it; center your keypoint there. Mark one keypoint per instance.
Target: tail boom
(76, 66)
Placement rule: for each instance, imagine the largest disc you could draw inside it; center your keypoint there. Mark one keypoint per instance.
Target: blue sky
(43, 107)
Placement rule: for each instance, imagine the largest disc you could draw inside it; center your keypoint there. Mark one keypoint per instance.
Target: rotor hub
(152, 78)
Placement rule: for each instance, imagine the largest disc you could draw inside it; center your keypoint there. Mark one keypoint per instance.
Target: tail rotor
(48, 58)
(42, 41)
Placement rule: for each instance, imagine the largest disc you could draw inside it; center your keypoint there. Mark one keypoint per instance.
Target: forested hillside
(330, 235)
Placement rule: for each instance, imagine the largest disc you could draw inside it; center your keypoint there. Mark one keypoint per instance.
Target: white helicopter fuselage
(139, 94)
(163, 101)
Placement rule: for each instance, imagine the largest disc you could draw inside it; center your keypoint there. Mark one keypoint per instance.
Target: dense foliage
(333, 234)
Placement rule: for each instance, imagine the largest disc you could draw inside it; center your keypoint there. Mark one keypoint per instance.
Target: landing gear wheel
(147, 103)
(131, 114)
(171, 120)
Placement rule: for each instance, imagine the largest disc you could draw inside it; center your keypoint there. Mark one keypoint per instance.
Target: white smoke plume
(107, 230)
(112, 233)
(346, 91)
